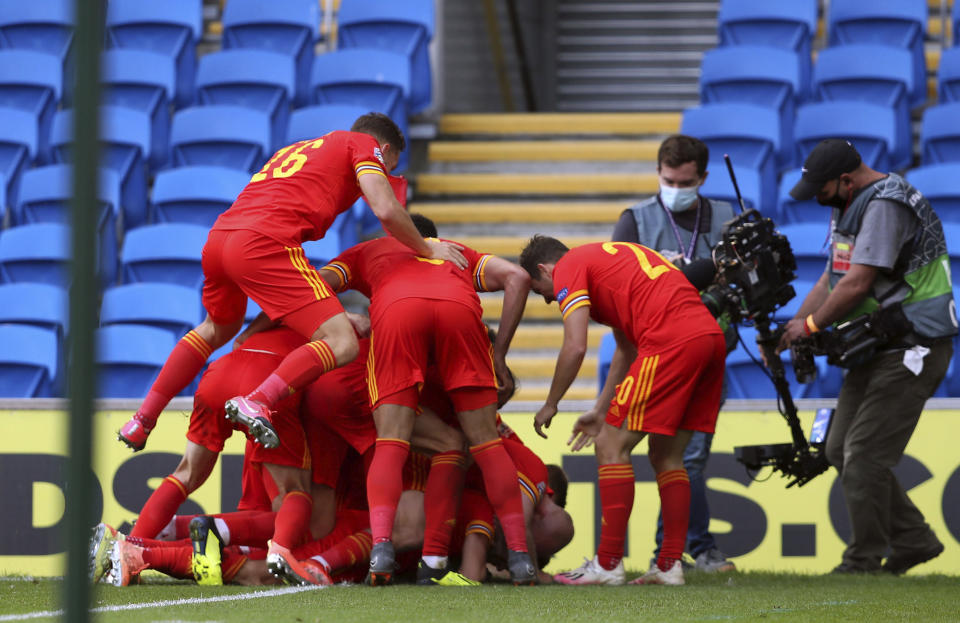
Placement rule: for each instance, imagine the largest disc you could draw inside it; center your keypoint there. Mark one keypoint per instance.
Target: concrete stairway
(493, 180)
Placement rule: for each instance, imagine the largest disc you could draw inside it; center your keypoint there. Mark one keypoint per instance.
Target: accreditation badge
(841, 252)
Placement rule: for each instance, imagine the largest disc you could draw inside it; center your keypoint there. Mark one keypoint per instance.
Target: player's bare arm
(261, 323)
(500, 274)
(568, 365)
(397, 222)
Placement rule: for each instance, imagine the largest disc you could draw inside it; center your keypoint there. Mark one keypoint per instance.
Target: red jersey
(304, 186)
(632, 288)
(386, 270)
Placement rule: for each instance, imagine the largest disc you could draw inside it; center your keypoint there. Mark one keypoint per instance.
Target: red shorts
(235, 374)
(338, 400)
(241, 263)
(531, 472)
(254, 496)
(412, 333)
(327, 453)
(678, 388)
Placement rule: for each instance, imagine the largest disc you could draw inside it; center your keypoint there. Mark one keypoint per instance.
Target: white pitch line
(162, 604)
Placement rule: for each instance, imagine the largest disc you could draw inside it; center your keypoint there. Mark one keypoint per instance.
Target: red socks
(184, 363)
(617, 488)
(441, 499)
(174, 561)
(674, 488)
(253, 528)
(385, 484)
(350, 551)
(293, 519)
(500, 481)
(302, 366)
(160, 507)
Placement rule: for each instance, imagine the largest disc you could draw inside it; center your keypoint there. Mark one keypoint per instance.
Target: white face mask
(678, 199)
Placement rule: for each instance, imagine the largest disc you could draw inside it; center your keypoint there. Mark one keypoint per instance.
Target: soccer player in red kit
(253, 250)
(665, 381)
(423, 311)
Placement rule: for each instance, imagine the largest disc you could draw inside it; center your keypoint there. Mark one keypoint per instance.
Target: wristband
(810, 326)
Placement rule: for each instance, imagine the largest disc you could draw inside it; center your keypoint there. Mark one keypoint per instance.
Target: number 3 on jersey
(293, 162)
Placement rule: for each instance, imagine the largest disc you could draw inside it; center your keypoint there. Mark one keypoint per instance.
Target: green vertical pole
(81, 372)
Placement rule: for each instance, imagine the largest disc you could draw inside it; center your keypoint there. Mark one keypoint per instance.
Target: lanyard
(688, 254)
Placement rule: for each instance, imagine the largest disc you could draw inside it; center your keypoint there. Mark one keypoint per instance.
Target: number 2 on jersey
(294, 161)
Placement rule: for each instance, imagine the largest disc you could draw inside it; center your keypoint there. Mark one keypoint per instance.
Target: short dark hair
(541, 250)
(424, 225)
(680, 148)
(382, 128)
(558, 483)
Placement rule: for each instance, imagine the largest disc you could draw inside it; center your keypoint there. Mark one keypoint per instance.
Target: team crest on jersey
(378, 154)
(562, 294)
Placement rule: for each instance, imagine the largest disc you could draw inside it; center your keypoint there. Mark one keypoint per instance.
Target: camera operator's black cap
(830, 159)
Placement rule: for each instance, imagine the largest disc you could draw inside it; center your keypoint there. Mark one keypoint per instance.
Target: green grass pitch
(727, 597)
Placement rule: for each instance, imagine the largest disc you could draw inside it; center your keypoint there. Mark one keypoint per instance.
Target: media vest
(654, 230)
(922, 270)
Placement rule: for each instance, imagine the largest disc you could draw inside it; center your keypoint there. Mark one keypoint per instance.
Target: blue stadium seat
(166, 306)
(320, 252)
(375, 79)
(129, 358)
(897, 23)
(751, 74)
(314, 121)
(195, 195)
(801, 287)
(791, 25)
(19, 148)
(875, 74)
(811, 246)
(225, 136)
(747, 379)
(405, 28)
(955, 19)
(939, 184)
(940, 134)
(28, 362)
(144, 81)
(171, 28)
(45, 196)
(37, 253)
(872, 130)
(951, 232)
(719, 186)
(789, 210)
(291, 27)
(41, 26)
(751, 135)
(257, 79)
(125, 141)
(608, 345)
(32, 81)
(948, 76)
(37, 304)
(168, 253)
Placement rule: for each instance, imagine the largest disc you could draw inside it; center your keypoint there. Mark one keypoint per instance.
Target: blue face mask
(678, 199)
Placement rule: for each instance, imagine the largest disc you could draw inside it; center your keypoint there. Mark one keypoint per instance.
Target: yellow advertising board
(759, 524)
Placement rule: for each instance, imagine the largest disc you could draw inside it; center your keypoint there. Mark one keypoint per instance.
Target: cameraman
(887, 249)
(684, 226)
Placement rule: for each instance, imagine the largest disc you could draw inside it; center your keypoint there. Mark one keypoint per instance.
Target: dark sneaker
(898, 564)
(135, 432)
(255, 417)
(522, 571)
(427, 575)
(382, 564)
(207, 551)
(713, 561)
(847, 569)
